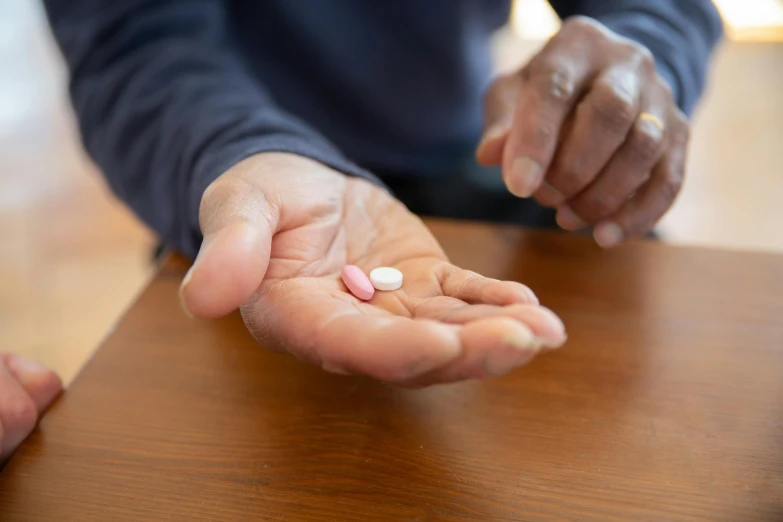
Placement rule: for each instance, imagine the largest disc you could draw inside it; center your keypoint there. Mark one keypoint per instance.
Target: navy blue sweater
(171, 93)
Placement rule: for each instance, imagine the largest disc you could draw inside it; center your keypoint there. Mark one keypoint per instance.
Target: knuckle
(647, 142)
(646, 54)
(556, 82)
(626, 49)
(466, 286)
(586, 26)
(223, 190)
(226, 187)
(614, 108)
(685, 134)
(548, 195)
(643, 56)
(594, 208)
(682, 134)
(681, 118)
(666, 88)
(235, 197)
(671, 186)
(545, 131)
(568, 181)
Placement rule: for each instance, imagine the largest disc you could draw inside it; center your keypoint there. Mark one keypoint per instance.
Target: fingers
(26, 388)
(626, 172)
(553, 82)
(333, 331)
(494, 347)
(416, 352)
(474, 288)
(238, 223)
(499, 105)
(392, 349)
(588, 161)
(601, 124)
(40, 383)
(639, 214)
(542, 322)
(339, 336)
(490, 347)
(549, 91)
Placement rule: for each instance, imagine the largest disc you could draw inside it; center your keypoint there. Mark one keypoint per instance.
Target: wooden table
(666, 404)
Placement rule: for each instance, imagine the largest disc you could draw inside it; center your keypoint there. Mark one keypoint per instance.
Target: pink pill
(357, 282)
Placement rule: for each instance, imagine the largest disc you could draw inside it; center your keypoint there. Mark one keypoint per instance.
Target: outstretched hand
(278, 230)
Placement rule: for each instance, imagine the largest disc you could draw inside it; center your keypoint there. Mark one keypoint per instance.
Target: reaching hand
(278, 230)
(589, 127)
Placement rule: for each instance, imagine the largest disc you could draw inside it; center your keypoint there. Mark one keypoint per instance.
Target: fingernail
(22, 365)
(551, 345)
(206, 242)
(524, 347)
(556, 324)
(182, 286)
(524, 341)
(493, 133)
(568, 220)
(524, 178)
(532, 297)
(608, 235)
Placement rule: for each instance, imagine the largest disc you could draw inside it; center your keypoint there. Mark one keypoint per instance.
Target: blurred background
(73, 258)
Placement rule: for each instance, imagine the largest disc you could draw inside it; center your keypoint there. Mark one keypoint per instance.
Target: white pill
(386, 278)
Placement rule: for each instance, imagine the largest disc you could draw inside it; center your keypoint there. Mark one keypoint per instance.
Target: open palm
(444, 324)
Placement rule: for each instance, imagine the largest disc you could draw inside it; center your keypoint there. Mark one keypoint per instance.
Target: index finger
(549, 92)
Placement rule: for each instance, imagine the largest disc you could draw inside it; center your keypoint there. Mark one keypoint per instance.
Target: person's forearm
(681, 34)
(165, 105)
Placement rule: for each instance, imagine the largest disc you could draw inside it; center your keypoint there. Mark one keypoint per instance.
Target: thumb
(499, 104)
(238, 223)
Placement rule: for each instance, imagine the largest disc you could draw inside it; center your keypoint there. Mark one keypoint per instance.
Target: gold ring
(652, 118)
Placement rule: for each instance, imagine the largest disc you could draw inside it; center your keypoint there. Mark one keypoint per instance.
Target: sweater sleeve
(165, 105)
(681, 34)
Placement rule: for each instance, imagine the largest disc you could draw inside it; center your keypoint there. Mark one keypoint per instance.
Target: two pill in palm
(383, 278)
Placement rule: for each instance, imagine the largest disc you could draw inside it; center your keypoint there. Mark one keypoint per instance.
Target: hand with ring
(590, 128)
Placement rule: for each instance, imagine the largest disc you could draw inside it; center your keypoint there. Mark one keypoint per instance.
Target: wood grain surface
(666, 404)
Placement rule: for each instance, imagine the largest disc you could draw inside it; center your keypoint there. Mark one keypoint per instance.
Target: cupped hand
(590, 128)
(279, 228)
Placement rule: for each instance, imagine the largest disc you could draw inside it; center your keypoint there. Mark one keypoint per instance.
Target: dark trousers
(473, 192)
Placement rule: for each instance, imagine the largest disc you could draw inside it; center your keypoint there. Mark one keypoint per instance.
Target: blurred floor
(73, 257)
(734, 183)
